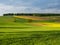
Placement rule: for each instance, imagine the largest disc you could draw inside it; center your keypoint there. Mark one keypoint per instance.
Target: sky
(29, 6)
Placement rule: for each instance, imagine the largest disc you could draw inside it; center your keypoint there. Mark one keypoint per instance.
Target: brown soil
(38, 24)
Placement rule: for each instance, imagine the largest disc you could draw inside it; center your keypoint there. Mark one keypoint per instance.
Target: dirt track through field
(38, 24)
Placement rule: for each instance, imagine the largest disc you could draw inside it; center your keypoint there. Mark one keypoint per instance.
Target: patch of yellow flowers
(53, 24)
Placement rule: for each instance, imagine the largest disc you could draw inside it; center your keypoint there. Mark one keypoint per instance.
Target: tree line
(30, 14)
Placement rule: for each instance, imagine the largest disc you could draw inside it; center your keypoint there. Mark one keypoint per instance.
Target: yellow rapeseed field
(53, 24)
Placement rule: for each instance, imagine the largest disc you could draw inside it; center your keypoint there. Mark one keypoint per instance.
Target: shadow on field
(14, 27)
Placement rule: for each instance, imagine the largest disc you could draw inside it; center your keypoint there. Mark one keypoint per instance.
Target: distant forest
(30, 14)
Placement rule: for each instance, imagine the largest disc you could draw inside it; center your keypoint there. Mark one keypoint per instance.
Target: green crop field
(20, 31)
(30, 38)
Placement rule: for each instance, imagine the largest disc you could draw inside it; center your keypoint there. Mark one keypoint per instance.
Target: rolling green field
(13, 24)
(17, 31)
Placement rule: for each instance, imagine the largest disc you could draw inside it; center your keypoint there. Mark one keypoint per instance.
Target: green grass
(23, 33)
(30, 38)
(8, 24)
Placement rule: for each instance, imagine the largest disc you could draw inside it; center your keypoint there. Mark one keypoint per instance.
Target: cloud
(11, 9)
(25, 9)
(53, 5)
(11, 0)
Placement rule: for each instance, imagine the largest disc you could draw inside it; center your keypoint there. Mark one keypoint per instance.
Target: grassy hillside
(15, 32)
(10, 21)
(15, 24)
